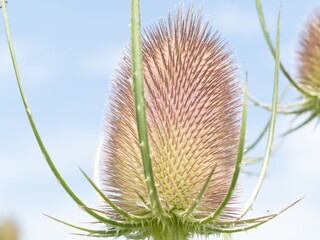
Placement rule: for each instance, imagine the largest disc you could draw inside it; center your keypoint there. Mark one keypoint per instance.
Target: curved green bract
(111, 204)
(237, 169)
(140, 107)
(294, 108)
(309, 119)
(199, 196)
(41, 144)
(271, 127)
(253, 223)
(92, 231)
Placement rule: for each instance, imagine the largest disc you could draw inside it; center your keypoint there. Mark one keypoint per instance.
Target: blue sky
(67, 54)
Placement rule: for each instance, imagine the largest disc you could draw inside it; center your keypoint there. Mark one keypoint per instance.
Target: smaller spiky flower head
(309, 55)
(308, 72)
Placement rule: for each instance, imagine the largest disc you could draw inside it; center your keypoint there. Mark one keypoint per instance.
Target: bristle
(309, 54)
(192, 97)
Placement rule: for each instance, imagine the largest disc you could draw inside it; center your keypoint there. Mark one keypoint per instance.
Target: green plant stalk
(265, 161)
(176, 231)
(44, 151)
(273, 50)
(140, 107)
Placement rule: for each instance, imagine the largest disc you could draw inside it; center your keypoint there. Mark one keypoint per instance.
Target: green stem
(273, 116)
(175, 231)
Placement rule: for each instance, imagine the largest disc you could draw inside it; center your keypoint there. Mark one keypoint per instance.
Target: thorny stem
(175, 231)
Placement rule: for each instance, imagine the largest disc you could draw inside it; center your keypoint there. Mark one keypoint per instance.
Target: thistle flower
(183, 182)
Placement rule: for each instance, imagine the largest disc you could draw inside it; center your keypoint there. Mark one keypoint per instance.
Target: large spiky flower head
(192, 100)
(195, 147)
(173, 144)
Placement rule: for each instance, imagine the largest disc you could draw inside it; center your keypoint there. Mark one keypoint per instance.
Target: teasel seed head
(309, 55)
(193, 99)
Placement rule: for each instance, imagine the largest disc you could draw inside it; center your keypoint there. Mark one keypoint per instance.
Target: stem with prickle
(176, 231)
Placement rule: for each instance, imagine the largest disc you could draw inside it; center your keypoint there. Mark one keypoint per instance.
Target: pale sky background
(67, 53)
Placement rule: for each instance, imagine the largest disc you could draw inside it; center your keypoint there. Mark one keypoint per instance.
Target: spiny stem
(175, 231)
